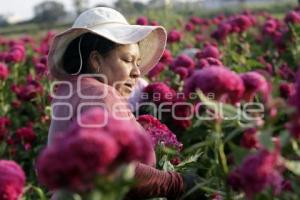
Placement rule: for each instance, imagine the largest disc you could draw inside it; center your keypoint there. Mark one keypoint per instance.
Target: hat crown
(97, 16)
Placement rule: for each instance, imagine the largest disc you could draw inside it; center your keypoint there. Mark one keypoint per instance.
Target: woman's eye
(127, 60)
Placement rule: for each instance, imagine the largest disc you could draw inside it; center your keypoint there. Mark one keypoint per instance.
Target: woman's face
(121, 67)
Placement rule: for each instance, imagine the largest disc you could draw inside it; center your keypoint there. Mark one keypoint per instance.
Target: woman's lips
(128, 85)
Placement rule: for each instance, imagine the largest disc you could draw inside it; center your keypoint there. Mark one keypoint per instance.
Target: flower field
(227, 90)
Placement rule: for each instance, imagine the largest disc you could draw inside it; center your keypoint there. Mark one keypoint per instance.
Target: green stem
(221, 156)
(2, 103)
(220, 148)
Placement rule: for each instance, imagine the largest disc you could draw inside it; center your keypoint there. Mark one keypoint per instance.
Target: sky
(24, 8)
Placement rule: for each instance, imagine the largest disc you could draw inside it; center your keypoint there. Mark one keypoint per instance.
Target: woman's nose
(135, 72)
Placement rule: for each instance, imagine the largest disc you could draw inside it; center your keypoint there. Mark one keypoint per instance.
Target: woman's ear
(95, 61)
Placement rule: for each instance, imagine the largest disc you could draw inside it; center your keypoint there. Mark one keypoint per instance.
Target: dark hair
(89, 43)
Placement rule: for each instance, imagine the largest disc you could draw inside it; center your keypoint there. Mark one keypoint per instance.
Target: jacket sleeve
(153, 183)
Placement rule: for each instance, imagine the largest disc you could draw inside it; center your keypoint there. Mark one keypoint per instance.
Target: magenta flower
(199, 38)
(182, 72)
(4, 72)
(167, 57)
(29, 91)
(4, 123)
(235, 24)
(224, 29)
(189, 27)
(292, 17)
(68, 159)
(40, 68)
(241, 23)
(271, 26)
(82, 153)
(208, 62)
(156, 70)
(12, 180)
(158, 93)
(294, 126)
(16, 54)
(159, 132)
(209, 51)
(253, 83)
(226, 84)
(142, 20)
(286, 72)
(286, 90)
(182, 113)
(183, 61)
(250, 139)
(256, 173)
(154, 23)
(26, 135)
(196, 20)
(174, 36)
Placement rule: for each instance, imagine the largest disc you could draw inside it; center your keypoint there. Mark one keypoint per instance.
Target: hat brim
(151, 39)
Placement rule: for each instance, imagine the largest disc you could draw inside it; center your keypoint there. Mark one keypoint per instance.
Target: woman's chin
(125, 92)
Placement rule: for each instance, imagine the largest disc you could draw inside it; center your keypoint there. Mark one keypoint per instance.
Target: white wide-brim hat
(111, 25)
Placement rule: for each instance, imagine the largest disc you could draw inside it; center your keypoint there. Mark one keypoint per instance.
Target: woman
(97, 63)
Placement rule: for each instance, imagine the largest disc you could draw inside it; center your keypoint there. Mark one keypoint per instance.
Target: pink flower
(182, 116)
(12, 180)
(227, 84)
(256, 173)
(199, 38)
(294, 126)
(183, 61)
(40, 68)
(189, 27)
(241, 23)
(182, 72)
(286, 90)
(159, 132)
(209, 51)
(175, 161)
(292, 17)
(77, 159)
(4, 72)
(26, 135)
(222, 32)
(294, 99)
(270, 27)
(158, 93)
(166, 57)
(154, 23)
(250, 139)
(29, 91)
(196, 20)
(4, 123)
(156, 70)
(84, 152)
(3, 56)
(142, 20)
(253, 83)
(207, 62)
(216, 196)
(286, 72)
(174, 36)
(16, 54)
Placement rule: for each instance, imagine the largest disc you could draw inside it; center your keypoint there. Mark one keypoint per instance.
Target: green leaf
(292, 165)
(39, 192)
(239, 153)
(191, 159)
(265, 139)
